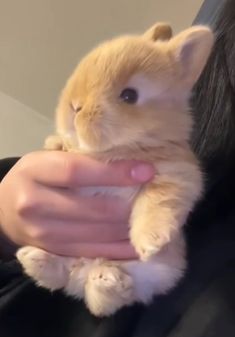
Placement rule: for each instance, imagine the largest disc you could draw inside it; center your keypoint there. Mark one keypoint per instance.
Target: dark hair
(213, 101)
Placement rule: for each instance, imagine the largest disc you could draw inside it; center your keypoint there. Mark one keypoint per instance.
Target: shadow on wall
(21, 129)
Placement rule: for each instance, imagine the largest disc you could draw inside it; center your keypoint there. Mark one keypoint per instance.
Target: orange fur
(92, 119)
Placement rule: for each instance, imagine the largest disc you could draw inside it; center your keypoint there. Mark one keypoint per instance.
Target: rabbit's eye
(75, 108)
(129, 95)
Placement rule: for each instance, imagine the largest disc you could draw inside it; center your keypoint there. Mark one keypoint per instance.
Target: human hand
(39, 205)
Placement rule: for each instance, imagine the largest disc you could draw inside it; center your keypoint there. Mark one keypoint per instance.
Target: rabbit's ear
(160, 31)
(191, 49)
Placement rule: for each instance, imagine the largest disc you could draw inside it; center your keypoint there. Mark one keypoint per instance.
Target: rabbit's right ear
(160, 31)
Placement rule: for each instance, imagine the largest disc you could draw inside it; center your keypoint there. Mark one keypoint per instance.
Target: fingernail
(142, 172)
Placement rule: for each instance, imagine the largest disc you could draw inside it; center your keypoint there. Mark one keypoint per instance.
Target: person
(203, 304)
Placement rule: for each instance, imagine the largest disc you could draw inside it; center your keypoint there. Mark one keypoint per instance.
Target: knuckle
(23, 163)
(68, 171)
(26, 203)
(37, 233)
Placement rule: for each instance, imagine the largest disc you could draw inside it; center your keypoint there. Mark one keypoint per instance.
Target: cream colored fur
(92, 119)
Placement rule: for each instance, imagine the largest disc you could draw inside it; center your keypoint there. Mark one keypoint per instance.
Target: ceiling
(42, 41)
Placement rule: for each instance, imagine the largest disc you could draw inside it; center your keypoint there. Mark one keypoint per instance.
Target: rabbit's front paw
(149, 240)
(53, 143)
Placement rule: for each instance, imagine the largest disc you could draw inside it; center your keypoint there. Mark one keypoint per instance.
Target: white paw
(53, 142)
(46, 269)
(108, 288)
(147, 244)
(77, 277)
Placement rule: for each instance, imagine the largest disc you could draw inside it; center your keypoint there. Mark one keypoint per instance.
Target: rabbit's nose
(75, 106)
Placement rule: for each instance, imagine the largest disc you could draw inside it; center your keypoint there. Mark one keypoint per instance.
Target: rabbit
(129, 99)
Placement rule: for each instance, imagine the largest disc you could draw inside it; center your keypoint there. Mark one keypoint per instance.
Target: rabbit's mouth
(89, 142)
(97, 147)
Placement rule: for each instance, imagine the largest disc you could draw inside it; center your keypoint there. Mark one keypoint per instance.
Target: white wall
(42, 41)
(21, 129)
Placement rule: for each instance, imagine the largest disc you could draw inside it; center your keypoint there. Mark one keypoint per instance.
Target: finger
(58, 232)
(63, 169)
(69, 206)
(115, 251)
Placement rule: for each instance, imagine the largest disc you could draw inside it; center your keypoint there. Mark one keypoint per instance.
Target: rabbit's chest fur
(126, 193)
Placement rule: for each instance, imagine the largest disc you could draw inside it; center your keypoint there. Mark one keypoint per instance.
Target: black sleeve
(6, 165)
(6, 247)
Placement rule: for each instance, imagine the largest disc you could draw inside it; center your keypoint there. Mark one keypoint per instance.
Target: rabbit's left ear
(191, 49)
(160, 31)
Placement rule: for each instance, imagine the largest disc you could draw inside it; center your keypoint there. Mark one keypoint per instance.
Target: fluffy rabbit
(129, 99)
